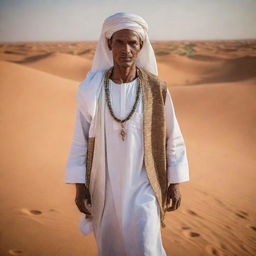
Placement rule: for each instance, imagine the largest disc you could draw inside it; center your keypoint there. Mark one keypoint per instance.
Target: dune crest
(64, 65)
(203, 69)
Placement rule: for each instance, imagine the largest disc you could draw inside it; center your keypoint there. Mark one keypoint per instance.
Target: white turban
(103, 58)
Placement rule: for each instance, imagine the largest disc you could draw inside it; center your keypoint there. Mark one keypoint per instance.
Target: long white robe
(131, 217)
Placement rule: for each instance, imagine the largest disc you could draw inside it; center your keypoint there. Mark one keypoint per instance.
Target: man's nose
(126, 49)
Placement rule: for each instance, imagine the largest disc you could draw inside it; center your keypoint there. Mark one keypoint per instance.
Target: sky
(78, 20)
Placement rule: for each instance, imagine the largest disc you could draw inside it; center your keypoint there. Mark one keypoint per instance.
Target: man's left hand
(173, 193)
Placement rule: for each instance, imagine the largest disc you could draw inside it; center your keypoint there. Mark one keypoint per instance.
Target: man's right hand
(82, 195)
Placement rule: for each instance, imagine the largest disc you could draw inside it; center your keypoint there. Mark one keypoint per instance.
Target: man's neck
(122, 75)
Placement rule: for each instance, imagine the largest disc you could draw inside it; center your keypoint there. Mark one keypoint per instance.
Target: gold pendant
(122, 132)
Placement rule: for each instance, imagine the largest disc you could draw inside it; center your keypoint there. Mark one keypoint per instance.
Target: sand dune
(203, 69)
(218, 123)
(231, 108)
(32, 58)
(62, 64)
(216, 115)
(23, 51)
(37, 115)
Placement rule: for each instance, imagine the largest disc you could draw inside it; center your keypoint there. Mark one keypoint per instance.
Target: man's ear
(141, 44)
(109, 41)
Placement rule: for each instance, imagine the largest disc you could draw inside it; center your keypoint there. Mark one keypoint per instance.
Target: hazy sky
(46, 20)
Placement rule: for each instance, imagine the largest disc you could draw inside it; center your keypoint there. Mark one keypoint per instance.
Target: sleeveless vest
(154, 132)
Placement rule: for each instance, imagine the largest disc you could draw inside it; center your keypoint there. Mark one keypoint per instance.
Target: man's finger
(168, 199)
(81, 206)
(84, 210)
(176, 204)
(174, 200)
(88, 197)
(89, 200)
(179, 202)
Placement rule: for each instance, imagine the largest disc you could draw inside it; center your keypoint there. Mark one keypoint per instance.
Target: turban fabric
(103, 58)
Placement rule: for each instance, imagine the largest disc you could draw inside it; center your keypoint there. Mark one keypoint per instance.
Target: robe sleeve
(76, 162)
(178, 169)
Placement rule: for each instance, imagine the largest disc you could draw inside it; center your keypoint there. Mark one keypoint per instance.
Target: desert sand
(213, 86)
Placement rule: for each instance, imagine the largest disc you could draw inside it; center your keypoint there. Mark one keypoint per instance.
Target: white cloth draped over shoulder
(124, 206)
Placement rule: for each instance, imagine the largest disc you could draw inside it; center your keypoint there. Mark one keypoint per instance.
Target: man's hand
(173, 193)
(82, 195)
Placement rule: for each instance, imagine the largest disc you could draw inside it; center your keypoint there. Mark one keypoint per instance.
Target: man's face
(125, 45)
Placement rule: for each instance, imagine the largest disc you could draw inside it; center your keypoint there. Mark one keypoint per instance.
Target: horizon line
(151, 40)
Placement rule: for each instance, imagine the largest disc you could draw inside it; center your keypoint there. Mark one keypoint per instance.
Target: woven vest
(154, 132)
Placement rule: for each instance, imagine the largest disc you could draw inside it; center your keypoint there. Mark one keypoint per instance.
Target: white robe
(131, 217)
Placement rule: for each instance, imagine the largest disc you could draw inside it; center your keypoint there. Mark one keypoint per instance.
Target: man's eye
(133, 43)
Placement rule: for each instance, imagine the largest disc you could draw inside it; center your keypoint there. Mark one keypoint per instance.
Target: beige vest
(154, 129)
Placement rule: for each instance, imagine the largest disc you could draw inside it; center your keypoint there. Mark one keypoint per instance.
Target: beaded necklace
(106, 84)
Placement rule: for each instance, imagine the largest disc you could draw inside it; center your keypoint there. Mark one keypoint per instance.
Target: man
(128, 155)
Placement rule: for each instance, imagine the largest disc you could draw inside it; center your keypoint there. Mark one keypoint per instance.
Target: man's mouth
(126, 58)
